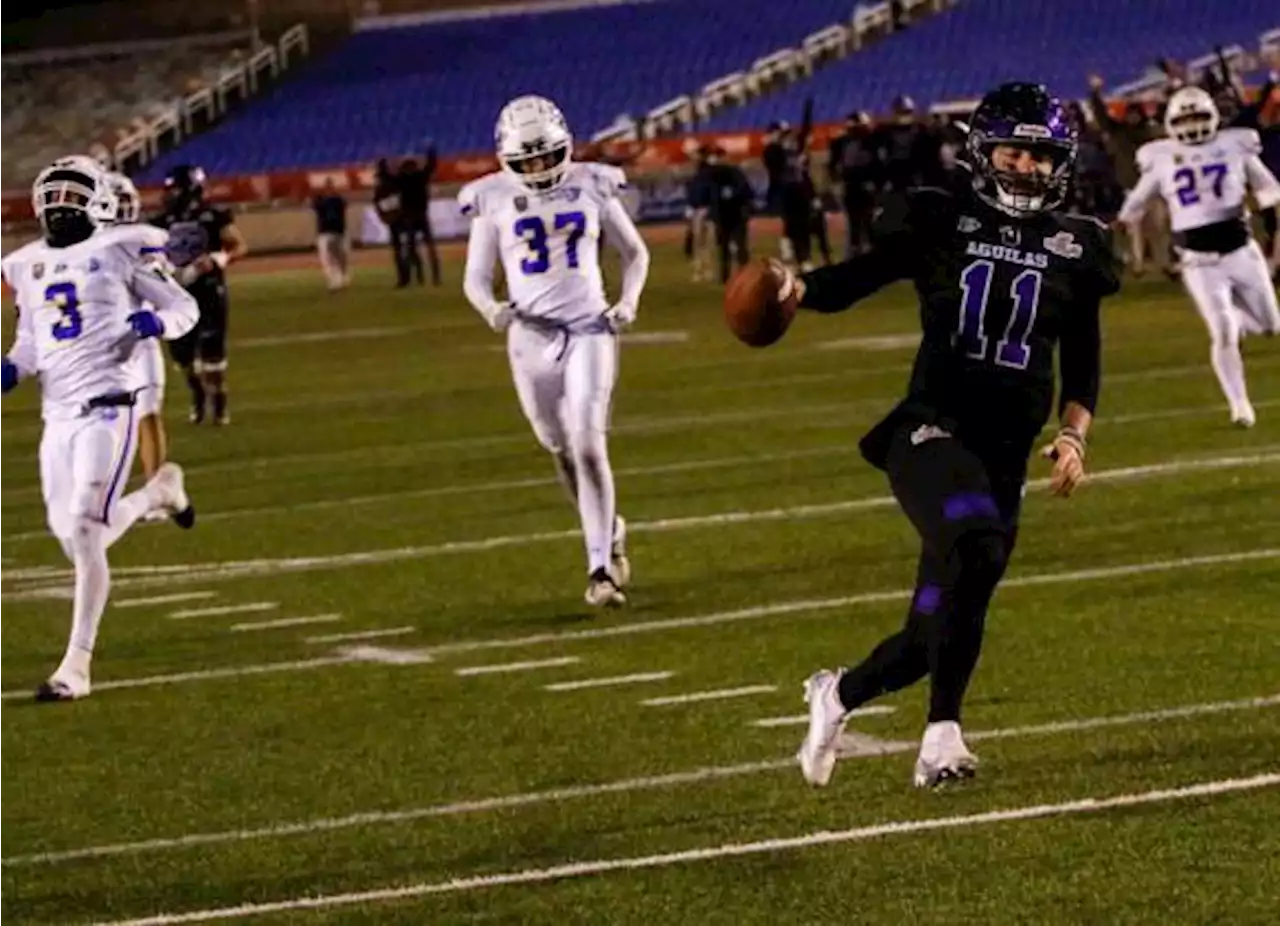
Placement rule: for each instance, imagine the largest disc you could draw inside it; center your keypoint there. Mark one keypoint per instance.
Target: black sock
(220, 403)
(898, 661)
(196, 385)
(954, 642)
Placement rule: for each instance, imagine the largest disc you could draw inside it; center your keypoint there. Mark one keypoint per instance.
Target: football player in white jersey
(1204, 175)
(78, 291)
(148, 355)
(543, 215)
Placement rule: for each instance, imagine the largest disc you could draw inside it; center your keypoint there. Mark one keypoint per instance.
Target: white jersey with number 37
(1203, 184)
(73, 309)
(549, 242)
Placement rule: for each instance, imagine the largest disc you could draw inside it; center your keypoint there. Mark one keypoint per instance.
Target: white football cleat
(827, 715)
(64, 685)
(168, 489)
(1244, 416)
(943, 756)
(619, 564)
(603, 591)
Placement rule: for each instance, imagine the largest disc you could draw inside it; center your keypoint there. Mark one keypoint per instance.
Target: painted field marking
(526, 666)
(285, 622)
(1090, 805)
(175, 598)
(200, 675)
(362, 635)
(799, 720)
(576, 792)
(719, 694)
(385, 655)
(632, 679)
(251, 607)
(507, 485)
(201, 572)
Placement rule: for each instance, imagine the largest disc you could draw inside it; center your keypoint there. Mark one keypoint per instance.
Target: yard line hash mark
(251, 607)
(525, 666)
(576, 792)
(285, 622)
(718, 694)
(175, 598)
(633, 679)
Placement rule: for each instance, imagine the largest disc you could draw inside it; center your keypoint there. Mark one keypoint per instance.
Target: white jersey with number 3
(1203, 184)
(73, 309)
(549, 242)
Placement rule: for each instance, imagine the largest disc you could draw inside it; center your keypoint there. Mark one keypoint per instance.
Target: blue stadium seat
(384, 91)
(979, 43)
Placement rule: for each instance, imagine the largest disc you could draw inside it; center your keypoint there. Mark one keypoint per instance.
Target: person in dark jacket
(386, 200)
(697, 207)
(854, 171)
(730, 204)
(415, 202)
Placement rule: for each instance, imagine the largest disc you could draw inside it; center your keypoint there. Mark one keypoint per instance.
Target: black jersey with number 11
(997, 292)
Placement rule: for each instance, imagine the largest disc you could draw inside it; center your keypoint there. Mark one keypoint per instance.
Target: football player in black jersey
(203, 240)
(1002, 278)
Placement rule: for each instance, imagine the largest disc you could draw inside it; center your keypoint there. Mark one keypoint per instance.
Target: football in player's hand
(759, 303)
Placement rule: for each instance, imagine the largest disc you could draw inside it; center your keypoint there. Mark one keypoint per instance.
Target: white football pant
(1234, 294)
(334, 251)
(565, 384)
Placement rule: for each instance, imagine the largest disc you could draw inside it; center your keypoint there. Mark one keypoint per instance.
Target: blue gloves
(10, 375)
(146, 324)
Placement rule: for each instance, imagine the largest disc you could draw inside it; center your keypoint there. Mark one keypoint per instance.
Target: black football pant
(965, 509)
(732, 236)
(797, 227)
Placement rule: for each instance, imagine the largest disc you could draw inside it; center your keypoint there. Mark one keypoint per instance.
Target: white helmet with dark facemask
(1191, 116)
(76, 183)
(533, 141)
(128, 202)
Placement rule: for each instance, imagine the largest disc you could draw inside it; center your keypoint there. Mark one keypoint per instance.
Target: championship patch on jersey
(1064, 245)
(521, 203)
(37, 271)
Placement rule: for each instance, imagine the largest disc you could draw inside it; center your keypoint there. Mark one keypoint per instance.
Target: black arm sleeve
(1080, 356)
(837, 287)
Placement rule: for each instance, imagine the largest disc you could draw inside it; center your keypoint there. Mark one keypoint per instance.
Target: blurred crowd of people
(869, 159)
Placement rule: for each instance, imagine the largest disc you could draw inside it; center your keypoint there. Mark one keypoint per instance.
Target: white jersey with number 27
(1203, 184)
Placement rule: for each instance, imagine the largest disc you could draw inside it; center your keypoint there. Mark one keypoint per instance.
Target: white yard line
(609, 682)
(362, 635)
(508, 485)
(204, 572)
(709, 853)
(799, 720)
(285, 622)
(718, 694)
(251, 607)
(576, 792)
(321, 337)
(526, 666)
(199, 675)
(175, 598)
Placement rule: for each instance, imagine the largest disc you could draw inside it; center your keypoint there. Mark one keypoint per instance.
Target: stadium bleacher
(979, 43)
(386, 90)
(56, 106)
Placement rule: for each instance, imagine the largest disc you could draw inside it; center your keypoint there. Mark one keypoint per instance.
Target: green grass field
(378, 477)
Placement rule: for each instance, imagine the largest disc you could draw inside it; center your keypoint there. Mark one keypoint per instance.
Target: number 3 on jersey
(64, 296)
(534, 231)
(1012, 350)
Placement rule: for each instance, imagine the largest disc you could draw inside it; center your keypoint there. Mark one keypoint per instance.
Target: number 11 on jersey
(1012, 350)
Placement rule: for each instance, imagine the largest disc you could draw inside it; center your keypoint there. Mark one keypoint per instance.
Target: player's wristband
(221, 259)
(1074, 438)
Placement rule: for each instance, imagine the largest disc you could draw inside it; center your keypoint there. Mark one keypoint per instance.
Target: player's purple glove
(146, 324)
(10, 374)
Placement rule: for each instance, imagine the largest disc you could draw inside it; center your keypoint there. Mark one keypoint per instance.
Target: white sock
(124, 513)
(1228, 366)
(93, 582)
(596, 503)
